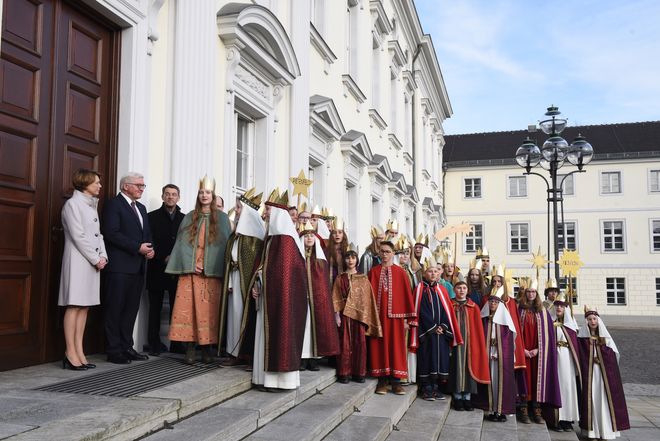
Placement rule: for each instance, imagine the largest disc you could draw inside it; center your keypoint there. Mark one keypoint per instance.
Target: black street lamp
(551, 157)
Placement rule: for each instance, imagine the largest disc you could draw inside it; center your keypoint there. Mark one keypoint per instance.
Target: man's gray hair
(130, 176)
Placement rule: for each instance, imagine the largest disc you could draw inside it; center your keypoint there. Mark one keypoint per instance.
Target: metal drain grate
(132, 380)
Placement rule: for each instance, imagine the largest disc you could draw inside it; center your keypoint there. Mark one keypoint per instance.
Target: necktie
(135, 210)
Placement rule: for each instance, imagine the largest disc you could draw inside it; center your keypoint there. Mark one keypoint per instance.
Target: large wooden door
(58, 99)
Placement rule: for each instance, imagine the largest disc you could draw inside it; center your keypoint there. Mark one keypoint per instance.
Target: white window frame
(509, 236)
(376, 210)
(657, 291)
(616, 291)
(602, 237)
(250, 153)
(651, 234)
(350, 207)
(600, 183)
(650, 180)
(481, 188)
(467, 250)
(570, 178)
(563, 234)
(517, 178)
(563, 286)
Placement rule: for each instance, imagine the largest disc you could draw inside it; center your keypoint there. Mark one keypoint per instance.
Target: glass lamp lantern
(528, 154)
(580, 152)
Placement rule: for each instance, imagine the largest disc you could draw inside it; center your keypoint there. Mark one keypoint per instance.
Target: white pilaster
(194, 113)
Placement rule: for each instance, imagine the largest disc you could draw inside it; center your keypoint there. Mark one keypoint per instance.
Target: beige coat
(80, 281)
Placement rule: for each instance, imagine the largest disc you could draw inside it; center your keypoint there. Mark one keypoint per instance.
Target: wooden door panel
(58, 100)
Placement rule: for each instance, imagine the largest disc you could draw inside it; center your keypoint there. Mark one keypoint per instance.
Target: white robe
(234, 306)
(567, 382)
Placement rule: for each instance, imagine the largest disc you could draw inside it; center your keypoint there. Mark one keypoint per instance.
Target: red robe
(395, 304)
(325, 339)
(474, 339)
(519, 353)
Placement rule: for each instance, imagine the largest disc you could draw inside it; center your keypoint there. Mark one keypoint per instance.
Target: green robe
(182, 258)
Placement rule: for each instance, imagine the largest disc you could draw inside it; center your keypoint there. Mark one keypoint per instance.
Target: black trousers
(122, 301)
(156, 306)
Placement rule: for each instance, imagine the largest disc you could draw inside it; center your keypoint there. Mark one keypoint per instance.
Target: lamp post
(551, 157)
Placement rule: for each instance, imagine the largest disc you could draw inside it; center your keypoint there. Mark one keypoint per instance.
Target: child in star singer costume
(469, 361)
(437, 332)
(499, 397)
(603, 410)
(356, 317)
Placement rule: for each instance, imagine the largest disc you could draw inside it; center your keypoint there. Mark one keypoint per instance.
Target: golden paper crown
(316, 212)
(523, 282)
(429, 262)
(401, 244)
(561, 299)
(251, 199)
(376, 231)
(284, 199)
(338, 224)
(551, 284)
(330, 215)
(588, 310)
(534, 284)
(422, 239)
(261, 209)
(305, 228)
(207, 183)
(482, 252)
(497, 292)
(499, 270)
(352, 248)
(274, 195)
(475, 263)
(302, 207)
(392, 225)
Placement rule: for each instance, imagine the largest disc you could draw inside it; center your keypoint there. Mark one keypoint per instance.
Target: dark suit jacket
(163, 230)
(123, 236)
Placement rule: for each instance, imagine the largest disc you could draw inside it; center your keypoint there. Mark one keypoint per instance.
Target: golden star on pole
(300, 184)
(538, 260)
(570, 263)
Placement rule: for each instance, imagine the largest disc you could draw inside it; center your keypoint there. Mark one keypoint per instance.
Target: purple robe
(504, 399)
(612, 380)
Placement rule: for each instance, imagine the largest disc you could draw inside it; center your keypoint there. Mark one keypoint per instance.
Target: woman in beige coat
(84, 257)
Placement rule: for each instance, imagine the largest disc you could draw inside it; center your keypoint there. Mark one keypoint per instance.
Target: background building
(611, 212)
(248, 92)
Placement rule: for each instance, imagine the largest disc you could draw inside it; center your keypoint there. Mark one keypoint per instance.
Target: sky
(505, 61)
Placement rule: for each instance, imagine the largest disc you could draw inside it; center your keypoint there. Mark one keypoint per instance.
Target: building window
(244, 152)
(657, 291)
(568, 186)
(612, 232)
(610, 182)
(375, 211)
(517, 186)
(350, 208)
(474, 240)
(518, 237)
(317, 13)
(563, 286)
(352, 41)
(654, 181)
(567, 238)
(655, 235)
(616, 290)
(472, 188)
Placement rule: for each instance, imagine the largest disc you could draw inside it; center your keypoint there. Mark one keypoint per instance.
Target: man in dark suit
(164, 223)
(127, 237)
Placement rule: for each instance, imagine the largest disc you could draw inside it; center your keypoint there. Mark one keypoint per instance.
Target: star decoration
(570, 263)
(301, 184)
(538, 260)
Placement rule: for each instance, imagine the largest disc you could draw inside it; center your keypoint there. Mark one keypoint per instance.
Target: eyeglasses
(140, 186)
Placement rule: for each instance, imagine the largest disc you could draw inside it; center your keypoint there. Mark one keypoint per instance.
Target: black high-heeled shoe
(66, 364)
(89, 365)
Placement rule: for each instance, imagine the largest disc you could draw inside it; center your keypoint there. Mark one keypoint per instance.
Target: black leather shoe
(90, 365)
(132, 354)
(66, 364)
(118, 359)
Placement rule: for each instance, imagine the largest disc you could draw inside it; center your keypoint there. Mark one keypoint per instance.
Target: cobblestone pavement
(640, 355)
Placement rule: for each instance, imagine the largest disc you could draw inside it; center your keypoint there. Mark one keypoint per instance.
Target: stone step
(565, 436)
(533, 432)
(314, 418)
(376, 418)
(241, 415)
(463, 426)
(423, 421)
(506, 431)
(101, 417)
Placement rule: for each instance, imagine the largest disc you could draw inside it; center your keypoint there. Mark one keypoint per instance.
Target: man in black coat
(127, 238)
(164, 223)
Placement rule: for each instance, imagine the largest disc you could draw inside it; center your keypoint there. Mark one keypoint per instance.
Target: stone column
(194, 109)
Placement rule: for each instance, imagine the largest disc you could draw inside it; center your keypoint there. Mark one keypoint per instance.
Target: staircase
(322, 409)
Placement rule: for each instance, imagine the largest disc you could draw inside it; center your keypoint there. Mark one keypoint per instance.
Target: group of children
(474, 340)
